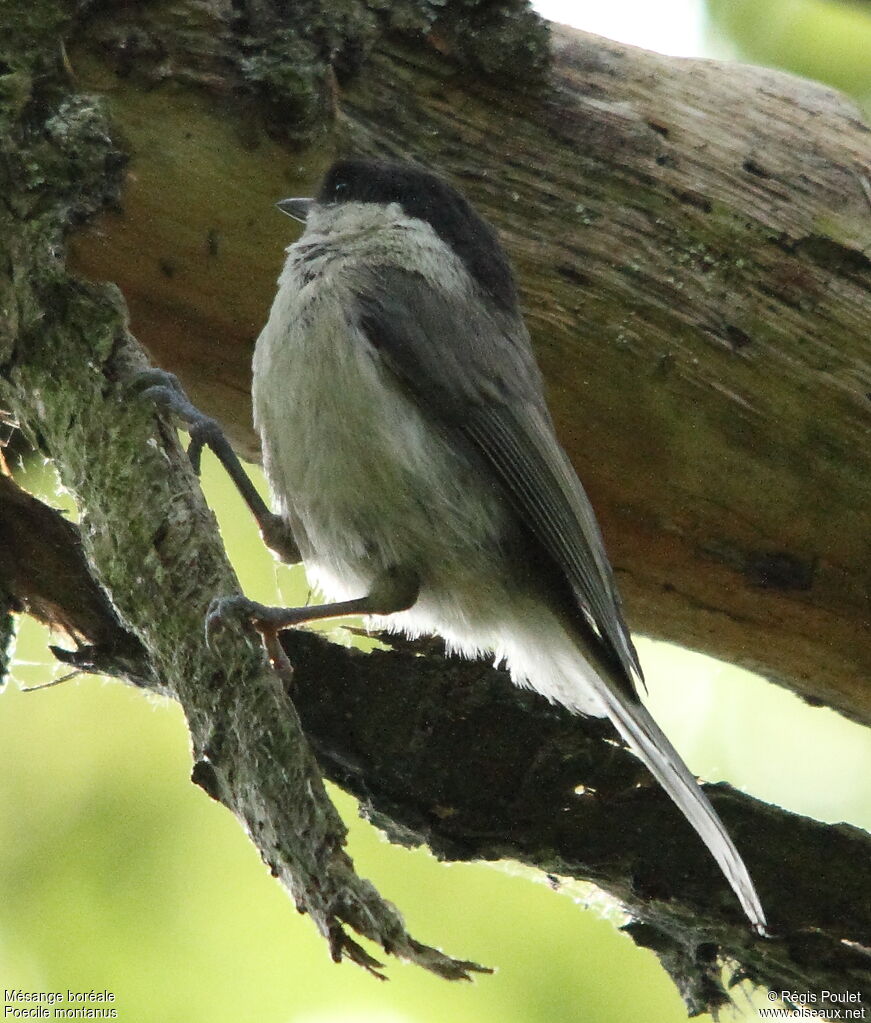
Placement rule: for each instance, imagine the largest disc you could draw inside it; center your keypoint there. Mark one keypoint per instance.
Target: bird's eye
(339, 187)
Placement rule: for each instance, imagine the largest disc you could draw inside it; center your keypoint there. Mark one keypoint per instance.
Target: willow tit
(408, 446)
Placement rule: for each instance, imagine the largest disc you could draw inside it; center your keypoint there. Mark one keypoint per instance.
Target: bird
(408, 446)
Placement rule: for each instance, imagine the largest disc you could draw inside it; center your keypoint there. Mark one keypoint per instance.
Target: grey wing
(478, 376)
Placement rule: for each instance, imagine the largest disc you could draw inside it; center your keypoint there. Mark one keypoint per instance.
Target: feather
(472, 373)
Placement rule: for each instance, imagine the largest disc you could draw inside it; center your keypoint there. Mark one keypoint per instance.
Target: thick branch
(249, 749)
(450, 755)
(44, 572)
(406, 734)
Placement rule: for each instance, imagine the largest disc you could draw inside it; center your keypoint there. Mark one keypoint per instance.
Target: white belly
(368, 483)
(353, 461)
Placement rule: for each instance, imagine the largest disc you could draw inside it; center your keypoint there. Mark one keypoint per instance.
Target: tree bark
(693, 249)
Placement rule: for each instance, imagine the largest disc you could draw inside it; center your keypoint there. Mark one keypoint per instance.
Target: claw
(238, 609)
(165, 390)
(204, 432)
(212, 625)
(224, 611)
(195, 451)
(157, 378)
(279, 660)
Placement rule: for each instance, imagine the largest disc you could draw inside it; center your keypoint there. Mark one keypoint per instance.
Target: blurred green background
(829, 40)
(116, 873)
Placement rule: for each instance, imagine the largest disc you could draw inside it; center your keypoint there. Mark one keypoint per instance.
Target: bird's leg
(395, 590)
(165, 390)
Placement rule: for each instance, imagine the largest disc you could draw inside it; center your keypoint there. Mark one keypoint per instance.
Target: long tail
(647, 740)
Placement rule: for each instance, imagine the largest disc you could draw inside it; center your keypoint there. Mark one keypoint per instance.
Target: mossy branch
(150, 544)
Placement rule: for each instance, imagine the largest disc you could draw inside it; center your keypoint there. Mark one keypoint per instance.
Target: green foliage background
(829, 40)
(116, 873)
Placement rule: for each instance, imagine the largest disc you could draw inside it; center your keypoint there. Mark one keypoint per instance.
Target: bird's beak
(297, 208)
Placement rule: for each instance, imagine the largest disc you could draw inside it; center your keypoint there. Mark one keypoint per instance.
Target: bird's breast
(369, 479)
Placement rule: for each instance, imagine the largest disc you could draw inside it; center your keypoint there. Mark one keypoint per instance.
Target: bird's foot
(165, 390)
(240, 611)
